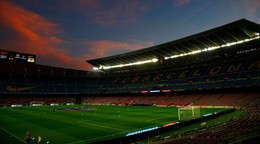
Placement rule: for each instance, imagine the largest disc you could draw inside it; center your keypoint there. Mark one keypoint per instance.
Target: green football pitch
(94, 123)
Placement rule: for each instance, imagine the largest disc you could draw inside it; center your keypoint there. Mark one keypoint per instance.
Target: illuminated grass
(77, 127)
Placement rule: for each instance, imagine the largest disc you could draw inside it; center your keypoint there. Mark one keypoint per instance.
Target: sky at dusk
(66, 33)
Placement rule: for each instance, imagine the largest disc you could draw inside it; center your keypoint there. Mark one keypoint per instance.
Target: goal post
(188, 112)
(36, 103)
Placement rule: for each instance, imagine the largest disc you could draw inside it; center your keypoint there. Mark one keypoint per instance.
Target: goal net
(188, 112)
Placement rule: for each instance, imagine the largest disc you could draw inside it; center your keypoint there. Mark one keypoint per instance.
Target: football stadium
(203, 88)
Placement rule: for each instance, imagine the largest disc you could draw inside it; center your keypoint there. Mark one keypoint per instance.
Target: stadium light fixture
(128, 64)
(257, 36)
(154, 60)
(95, 68)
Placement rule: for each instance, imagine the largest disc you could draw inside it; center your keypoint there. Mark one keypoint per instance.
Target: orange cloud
(32, 33)
(104, 47)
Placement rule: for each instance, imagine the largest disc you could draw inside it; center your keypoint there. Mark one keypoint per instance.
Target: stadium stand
(218, 67)
(226, 133)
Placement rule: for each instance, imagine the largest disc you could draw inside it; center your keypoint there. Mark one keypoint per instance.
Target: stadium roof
(238, 31)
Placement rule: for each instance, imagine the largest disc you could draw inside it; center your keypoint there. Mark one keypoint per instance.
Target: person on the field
(28, 137)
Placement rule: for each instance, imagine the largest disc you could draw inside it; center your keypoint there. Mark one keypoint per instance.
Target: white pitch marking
(95, 138)
(12, 134)
(159, 118)
(100, 126)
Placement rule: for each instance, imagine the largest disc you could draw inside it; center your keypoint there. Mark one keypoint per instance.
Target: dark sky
(66, 33)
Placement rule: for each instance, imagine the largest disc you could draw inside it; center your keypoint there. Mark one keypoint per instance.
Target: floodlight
(95, 68)
(154, 60)
(257, 36)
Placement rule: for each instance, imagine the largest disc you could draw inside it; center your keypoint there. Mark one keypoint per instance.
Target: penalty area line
(91, 139)
(100, 126)
(160, 118)
(12, 134)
